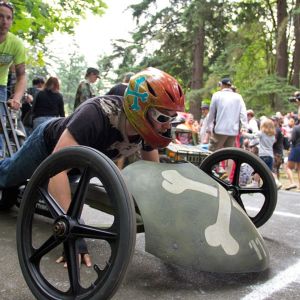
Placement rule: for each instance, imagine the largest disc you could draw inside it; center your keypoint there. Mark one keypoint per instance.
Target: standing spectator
(277, 147)
(203, 136)
(227, 110)
(266, 137)
(26, 117)
(294, 158)
(120, 88)
(85, 90)
(48, 103)
(289, 128)
(12, 51)
(252, 123)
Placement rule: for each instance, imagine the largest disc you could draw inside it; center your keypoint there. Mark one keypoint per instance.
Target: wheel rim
(117, 232)
(240, 158)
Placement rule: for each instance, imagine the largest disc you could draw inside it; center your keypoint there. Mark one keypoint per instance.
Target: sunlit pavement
(150, 278)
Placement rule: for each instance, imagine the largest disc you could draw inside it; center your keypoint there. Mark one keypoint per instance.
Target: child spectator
(266, 137)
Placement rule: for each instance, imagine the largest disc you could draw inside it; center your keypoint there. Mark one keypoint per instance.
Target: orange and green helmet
(152, 88)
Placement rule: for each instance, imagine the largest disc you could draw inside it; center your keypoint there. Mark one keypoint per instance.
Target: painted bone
(217, 234)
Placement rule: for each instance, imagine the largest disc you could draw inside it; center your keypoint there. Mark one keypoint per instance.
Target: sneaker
(290, 187)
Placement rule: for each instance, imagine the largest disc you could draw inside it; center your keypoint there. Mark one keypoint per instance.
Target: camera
(294, 99)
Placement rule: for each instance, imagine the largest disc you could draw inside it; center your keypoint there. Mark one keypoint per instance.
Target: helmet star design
(152, 88)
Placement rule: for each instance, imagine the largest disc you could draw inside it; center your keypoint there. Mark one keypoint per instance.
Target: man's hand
(14, 104)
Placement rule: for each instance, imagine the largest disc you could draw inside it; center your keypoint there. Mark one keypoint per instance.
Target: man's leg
(15, 170)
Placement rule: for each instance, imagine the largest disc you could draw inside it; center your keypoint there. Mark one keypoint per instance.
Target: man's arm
(15, 102)
(59, 186)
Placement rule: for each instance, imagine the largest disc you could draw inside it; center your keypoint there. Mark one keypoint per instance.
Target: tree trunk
(197, 76)
(281, 46)
(296, 57)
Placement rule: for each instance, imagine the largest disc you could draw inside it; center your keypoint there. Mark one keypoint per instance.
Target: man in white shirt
(227, 113)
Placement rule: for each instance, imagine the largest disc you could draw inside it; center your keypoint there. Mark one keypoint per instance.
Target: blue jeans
(40, 120)
(15, 170)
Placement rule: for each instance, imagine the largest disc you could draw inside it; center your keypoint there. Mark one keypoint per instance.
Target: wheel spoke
(86, 231)
(51, 203)
(237, 169)
(77, 202)
(240, 202)
(72, 260)
(50, 244)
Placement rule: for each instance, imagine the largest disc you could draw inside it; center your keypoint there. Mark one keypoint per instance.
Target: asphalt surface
(150, 278)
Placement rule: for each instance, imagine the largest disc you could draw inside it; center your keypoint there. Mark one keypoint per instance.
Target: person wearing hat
(203, 137)
(227, 111)
(85, 90)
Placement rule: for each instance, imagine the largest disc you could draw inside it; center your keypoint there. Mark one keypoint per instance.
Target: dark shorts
(268, 161)
(278, 160)
(295, 154)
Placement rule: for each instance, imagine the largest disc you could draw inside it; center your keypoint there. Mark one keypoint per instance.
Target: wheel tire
(8, 198)
(120, 236)
(239, 156)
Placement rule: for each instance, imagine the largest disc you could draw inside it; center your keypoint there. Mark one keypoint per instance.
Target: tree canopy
(255, 42)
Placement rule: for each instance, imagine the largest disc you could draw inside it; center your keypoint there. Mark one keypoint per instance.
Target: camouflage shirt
(84, 92)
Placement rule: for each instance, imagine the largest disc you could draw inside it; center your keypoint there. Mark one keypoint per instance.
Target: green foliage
(34, 20)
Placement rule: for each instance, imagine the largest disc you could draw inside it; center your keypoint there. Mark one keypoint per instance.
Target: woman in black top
(48, 103)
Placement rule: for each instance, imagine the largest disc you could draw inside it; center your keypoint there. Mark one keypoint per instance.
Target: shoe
(290, 187)
(297, 190)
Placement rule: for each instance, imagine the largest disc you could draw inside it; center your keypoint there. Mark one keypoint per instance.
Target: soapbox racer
(189, 218)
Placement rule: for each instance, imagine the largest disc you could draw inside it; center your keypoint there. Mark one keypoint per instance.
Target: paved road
(150, 278)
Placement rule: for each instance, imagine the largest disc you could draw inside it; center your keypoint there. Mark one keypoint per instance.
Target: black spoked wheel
(110, 238)
(243, 174)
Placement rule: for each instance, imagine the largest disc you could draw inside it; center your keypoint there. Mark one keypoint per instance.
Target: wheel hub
(60, 228)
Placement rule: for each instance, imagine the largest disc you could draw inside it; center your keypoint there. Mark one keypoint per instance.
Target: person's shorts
(294, 155)
(268, 161)
(218, 141)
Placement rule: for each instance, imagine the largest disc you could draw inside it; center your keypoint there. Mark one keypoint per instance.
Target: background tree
(296, 57)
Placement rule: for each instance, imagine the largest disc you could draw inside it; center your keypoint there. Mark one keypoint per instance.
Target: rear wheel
(110, 238)
(235, 181)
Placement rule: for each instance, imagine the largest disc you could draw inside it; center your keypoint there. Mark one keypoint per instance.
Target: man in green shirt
(12, 51)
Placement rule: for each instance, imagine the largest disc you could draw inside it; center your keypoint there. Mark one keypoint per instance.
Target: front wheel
(244, 175)
(110, 237)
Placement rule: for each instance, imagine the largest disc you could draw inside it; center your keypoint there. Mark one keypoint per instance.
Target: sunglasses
(160, 117)
(8, 5)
